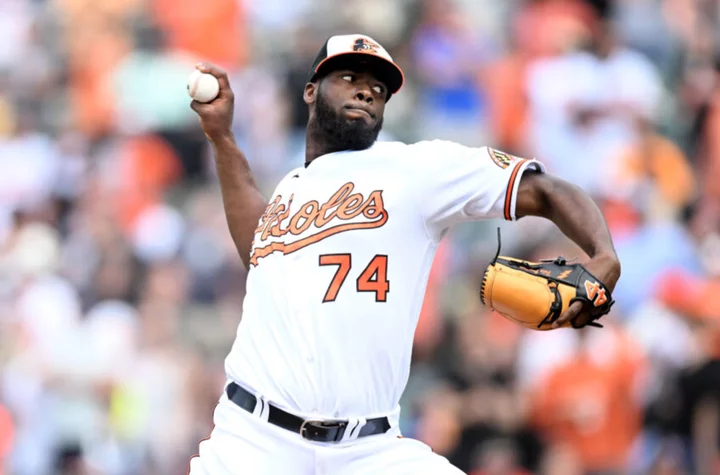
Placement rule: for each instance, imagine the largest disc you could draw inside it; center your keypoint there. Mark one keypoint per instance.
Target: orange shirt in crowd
(543, 28)
(591, 407)
(504, 82)
(659, 159)
(97, 36)
(148, 166)
(217, 32)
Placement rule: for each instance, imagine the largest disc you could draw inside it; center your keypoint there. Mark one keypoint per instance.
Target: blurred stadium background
(120, 289)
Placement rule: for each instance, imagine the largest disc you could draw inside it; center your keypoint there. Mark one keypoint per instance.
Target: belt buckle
(340, 425)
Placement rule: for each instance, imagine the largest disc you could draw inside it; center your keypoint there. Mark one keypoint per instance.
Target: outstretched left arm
(579, 218)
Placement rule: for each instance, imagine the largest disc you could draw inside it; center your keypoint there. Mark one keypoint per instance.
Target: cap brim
(386, 71)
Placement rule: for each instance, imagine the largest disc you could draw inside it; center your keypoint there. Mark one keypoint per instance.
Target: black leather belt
(315, 430)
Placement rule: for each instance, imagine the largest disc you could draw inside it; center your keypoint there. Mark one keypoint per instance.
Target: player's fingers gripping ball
(535, 294)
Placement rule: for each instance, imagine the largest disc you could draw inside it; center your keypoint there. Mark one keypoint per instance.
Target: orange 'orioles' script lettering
(327, 218)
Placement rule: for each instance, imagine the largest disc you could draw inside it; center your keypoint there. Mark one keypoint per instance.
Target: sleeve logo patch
(502, 159)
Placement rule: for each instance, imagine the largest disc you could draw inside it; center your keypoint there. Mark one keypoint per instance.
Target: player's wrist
(607, 265)
(608, 257)
(222, 138)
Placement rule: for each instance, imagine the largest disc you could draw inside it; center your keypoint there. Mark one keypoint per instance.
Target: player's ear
(310, 93)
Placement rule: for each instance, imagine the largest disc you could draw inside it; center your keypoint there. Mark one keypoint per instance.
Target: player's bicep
(531, 195)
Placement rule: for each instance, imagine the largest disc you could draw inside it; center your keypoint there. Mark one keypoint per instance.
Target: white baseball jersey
(339, 266)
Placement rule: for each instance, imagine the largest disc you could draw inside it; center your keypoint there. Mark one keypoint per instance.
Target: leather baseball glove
(535, 294)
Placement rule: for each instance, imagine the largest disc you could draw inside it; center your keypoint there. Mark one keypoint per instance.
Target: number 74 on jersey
(372, 279)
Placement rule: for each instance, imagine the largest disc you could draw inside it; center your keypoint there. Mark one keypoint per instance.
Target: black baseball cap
(351, 50)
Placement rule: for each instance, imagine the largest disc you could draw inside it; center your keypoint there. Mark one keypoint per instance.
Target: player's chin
(365, 127)
(360, 125)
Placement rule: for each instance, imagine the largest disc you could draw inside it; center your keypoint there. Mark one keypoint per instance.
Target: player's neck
(317, 146)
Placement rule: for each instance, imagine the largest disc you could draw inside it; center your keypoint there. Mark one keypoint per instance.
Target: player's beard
(340, 133)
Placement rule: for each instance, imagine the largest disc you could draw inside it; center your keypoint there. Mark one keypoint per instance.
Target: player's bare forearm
(579, 218)
(244, 204)
(243, 201)
(570, 208)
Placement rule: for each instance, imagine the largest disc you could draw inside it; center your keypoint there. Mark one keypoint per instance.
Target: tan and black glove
(535, 294)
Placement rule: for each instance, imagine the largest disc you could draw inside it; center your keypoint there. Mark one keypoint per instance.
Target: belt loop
(353, 428)
(261, 408)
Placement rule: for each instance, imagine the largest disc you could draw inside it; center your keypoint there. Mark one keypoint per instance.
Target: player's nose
(363, 93)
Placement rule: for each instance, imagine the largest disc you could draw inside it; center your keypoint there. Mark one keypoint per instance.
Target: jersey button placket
(309, 356)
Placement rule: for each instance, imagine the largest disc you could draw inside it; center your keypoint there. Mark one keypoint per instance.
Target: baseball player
(338, 262)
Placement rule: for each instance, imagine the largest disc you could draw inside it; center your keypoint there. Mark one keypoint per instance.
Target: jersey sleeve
(466, 184)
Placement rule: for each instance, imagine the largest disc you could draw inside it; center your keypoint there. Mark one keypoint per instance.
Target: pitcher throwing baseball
(338, 264)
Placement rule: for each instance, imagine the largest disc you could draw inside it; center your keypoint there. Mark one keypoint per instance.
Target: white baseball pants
(243, 444)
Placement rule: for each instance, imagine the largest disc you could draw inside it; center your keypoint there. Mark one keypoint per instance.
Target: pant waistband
(310, 429)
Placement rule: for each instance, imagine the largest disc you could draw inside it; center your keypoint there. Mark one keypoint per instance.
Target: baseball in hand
(202, 87)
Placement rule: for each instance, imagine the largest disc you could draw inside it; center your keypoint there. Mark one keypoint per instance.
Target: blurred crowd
(121, 290)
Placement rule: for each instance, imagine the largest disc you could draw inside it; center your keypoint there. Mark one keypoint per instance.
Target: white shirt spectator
(558, 86)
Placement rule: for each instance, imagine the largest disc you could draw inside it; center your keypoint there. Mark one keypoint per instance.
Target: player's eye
(348, 77)
(379, 89)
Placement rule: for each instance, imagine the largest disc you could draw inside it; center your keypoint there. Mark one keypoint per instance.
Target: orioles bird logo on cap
(362, 44)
